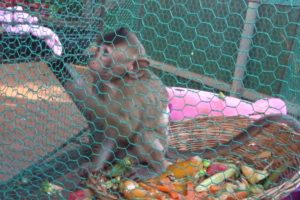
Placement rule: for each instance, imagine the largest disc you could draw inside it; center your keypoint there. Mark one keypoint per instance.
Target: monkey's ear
(138, 66)
(141, 63)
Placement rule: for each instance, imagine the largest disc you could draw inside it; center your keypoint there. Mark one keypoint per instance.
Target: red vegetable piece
(80, 195)
(215, 168)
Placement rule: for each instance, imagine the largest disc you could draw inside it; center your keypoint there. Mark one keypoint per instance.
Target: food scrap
(193, 178)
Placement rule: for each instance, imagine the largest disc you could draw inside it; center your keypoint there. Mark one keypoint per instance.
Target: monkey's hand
(86, 170)
(78, 80)
(141, 172)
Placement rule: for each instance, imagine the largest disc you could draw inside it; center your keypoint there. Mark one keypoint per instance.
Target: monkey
(128, 107)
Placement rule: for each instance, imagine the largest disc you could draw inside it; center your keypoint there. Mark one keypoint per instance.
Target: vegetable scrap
(193, 178)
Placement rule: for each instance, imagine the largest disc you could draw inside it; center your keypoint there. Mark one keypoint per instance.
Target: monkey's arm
(256, 128)
(82, 95)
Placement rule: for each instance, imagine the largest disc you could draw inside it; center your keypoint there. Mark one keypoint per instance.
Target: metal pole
(243, 52)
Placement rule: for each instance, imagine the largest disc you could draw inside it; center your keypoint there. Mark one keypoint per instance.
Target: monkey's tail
(245, 136)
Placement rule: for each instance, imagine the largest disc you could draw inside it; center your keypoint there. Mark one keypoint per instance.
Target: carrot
(215, 189)
(174, 195)
(133, 190)
(192, 194)
(198, 196)
(241, 195)
(166, 185)
(153, 191)
(238, 196)
(163, 188)
(190, 191)
(136, 194)
(170, 190)
(146, 186)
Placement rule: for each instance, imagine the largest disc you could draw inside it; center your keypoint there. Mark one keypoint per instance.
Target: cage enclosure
(224, 65)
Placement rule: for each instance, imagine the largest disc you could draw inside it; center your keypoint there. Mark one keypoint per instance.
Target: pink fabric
(188, 103)
(14, 20)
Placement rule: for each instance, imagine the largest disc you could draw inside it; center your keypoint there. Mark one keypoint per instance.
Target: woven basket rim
(276, 192)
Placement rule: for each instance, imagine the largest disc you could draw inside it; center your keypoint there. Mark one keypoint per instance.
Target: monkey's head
(120, 54)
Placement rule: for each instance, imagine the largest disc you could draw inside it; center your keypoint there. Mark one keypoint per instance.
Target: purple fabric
(294, 195)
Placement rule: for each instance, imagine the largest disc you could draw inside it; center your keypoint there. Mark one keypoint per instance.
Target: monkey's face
(113, 61)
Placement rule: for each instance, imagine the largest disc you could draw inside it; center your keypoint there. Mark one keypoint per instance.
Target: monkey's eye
(104, 51)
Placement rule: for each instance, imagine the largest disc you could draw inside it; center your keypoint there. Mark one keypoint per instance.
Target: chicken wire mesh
(246, 49)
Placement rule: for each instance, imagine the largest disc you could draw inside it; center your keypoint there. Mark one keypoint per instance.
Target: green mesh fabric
(199, 41)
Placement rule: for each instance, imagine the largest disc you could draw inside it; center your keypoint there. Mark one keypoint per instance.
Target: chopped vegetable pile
(194, 178)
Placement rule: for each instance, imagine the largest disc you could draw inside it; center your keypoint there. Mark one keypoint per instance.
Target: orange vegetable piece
(153, 191)
(180, 187)
(170, 190)
(215, 189)
(165, 180)
(177, 186)
(184, 168)
(238, 195)
(190, 191)
(132, 190)
(164, 188)
(147, 187)
(165, 185)
(192, 194)
(153, 181)
(137, 194)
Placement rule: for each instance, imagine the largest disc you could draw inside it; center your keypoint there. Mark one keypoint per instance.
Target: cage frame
(236, 89)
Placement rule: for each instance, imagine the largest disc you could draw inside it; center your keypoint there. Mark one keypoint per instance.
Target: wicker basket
(278, 139)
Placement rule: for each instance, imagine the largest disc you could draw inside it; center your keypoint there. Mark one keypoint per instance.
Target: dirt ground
(36, 116)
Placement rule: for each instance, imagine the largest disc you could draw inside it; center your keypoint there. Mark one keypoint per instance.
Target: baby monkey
(127, 108)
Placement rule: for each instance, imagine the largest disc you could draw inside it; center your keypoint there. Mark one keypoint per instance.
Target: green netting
(235, 48)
